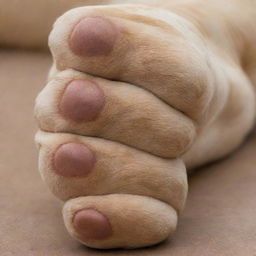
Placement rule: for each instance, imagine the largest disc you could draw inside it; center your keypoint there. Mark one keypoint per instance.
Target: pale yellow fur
(193, 73)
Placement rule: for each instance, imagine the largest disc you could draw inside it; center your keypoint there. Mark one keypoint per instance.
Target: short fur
(179, 88)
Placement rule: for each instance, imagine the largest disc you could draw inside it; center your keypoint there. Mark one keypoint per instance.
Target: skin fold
(140, 93)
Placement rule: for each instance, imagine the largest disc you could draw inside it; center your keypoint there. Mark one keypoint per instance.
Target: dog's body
(170, 82)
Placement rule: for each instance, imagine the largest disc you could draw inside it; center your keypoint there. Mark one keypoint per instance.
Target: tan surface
(220, 214)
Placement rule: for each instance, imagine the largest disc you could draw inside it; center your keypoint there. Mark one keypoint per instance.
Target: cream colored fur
(187, 80)
(132, 225)
(176, 132)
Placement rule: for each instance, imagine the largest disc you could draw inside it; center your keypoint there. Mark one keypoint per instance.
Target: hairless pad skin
(93, 36)
(91, 224)
(82, 101)
(73, 160)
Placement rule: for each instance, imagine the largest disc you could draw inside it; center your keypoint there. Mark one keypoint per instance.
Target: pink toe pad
(73, 159)
(82, 101)
(93, 36)
(91, 224)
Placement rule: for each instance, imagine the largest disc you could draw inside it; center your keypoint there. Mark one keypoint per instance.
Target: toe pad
(82, 101)
(91, 224)
(93, 36)
(73, 159)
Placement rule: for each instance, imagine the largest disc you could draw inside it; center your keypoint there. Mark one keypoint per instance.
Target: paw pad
(82, 101)
(93, 36)
(73, 159)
